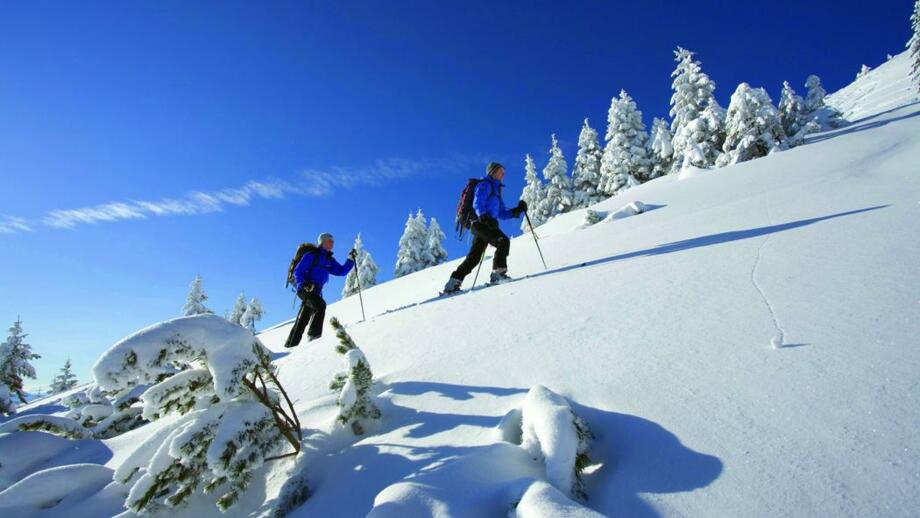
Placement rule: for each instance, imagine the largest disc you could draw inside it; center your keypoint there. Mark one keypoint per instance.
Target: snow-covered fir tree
(625, 160)
(357, 407)
(558, 193)
(252, 314)
(913, 45)
(194, 302)
(660, 149)
(64, 381)
(791, 110)
(15, 358)
(413, 247)
(586, 175)
(696, 118)
(863, 71)
(815, 108)
(365, 271)
(753, 127)
(7, 406)
(239, 307)
(532, 195)
(436, 237)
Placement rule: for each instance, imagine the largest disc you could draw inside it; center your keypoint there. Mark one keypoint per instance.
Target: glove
(353, 255)
(521, 207)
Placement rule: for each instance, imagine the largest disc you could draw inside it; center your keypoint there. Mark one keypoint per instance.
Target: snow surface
(657, 329)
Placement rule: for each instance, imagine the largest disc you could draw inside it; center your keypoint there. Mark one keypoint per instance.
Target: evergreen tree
(914, 44)
(194, 302)
(7, 406)
(64, 381)
(238, 309)
(253, 313)
(625, 159)
(863, 71)
(15, 356)
(558, 194)
(696, 118)
(365, 270)
(814, 99)
(357, 406)
(413, 246)
(660, 149)
(753, 126)
(586, 175)
(533, 194)
(791, 110)
(436, 238)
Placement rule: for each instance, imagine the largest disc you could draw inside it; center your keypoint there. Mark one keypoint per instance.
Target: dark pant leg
(318, 310)
(312, 312)
(300, 323)
(490, 232)
(472, 258)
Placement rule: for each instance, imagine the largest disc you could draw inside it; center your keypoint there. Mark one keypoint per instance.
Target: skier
(489, 208)
(310, 274)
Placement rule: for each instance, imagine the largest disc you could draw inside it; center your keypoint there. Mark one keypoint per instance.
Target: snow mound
(150, 352)
(692, 172)
(57, 425)
(63, 485)
(542, 500)
(885, 87)
(593, 216)
(552, 433)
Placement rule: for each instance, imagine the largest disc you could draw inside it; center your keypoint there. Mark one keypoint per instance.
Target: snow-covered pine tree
(914, 44)
(436, 238)
(194, 302)
(365, 270)
(815, 108)
(15, 358)
(696, 118)
(586, 175)
(558, 193)
(253, 313)
(791, 110)
(814, 99)
(413, 246)
(660, 149)
(239, 307)
(863, 71)
(625, 160)
(7, 406)
(532, 195)
(64, 381)
(232, 414)
(753, 126)
(357, 408)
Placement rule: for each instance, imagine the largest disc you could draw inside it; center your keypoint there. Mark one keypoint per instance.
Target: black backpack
(301, 250)
(465, 213)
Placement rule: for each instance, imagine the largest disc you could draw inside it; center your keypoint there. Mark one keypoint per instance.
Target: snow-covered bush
(357, 408)
(253, 313)
(593, 216)
(557, 196)
(208, 370)
(696, 118)
(436, 237)
(914, 44)
(586, 175)
(64, 381)
(625, 159)
(413, 246)
(753, 127)
(660, 149)
(542, 500)
(816, 110)
(553, 434)
(194, 301)
(533, 195)
(15, 358)
(365, 271)
(56, 425)
(863, 72)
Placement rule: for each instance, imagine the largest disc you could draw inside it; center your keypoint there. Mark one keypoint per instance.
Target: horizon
(134, 162)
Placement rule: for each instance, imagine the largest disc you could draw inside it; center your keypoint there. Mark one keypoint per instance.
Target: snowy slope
(658, 328)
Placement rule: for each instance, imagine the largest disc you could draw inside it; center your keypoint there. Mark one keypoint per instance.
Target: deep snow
(660, 330)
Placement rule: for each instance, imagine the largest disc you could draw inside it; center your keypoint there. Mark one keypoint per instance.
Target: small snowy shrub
(593, 216)
(356, 400)
(229, 425)
(56, 425)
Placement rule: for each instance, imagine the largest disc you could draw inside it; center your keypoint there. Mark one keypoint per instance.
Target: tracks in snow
(777, 340)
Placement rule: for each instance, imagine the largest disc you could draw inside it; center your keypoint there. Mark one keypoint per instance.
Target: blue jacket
(488, 199)
(319, 274)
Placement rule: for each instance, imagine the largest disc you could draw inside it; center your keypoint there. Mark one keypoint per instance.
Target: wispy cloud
(311, 182)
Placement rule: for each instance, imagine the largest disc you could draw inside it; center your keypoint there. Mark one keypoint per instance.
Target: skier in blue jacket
(489, 208)
(310, 274)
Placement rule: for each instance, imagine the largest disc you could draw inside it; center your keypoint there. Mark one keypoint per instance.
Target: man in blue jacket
(310, 274)
(489, 208)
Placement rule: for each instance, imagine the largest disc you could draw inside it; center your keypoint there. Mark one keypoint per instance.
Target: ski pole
(535, 240)
(476, 277)
(360, 298)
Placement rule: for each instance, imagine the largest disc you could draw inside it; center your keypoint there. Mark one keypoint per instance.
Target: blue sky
(244, 128)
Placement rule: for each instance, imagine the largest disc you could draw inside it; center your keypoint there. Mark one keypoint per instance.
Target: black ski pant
(312, 312)
(485, 232)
